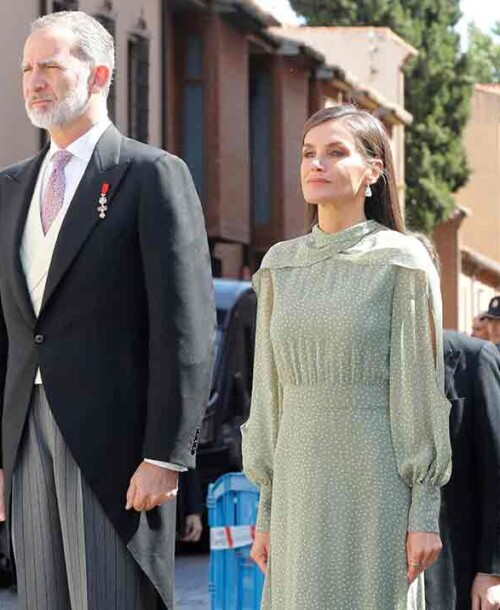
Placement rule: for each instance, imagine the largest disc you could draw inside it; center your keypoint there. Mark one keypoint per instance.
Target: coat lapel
(82, 215)
(19, 187)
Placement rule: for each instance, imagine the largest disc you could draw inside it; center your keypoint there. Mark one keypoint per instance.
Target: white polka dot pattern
(348, 431)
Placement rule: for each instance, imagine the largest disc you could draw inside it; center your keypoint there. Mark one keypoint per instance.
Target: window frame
(187, 27)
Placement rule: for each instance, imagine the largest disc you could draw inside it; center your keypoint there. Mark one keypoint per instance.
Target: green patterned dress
(348, 430)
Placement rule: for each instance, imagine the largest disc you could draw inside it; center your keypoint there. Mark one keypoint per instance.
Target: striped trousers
(68, 555)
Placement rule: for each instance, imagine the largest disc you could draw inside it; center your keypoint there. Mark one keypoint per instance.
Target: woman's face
(332, 168)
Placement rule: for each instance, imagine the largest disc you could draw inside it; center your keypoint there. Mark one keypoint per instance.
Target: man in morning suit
(467, 573)
(106, 338)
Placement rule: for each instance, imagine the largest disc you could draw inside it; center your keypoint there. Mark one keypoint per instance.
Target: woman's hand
(260, 549)
(422, 550)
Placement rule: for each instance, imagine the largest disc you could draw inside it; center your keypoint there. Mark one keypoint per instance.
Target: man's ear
(99, 78)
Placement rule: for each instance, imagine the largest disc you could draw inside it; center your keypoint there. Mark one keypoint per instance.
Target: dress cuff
(264, 514)
(424, 509)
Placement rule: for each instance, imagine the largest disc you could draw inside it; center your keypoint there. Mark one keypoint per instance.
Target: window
(193, 111)
(138, 84)
(261, 99)
(64, 5)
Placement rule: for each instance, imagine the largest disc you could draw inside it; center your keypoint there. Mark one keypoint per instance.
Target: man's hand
(3, 516)
(422, 550)
(485, 592)
(151, 486)
(192, 528)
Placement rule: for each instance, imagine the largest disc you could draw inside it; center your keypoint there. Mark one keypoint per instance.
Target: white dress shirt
(37, 248)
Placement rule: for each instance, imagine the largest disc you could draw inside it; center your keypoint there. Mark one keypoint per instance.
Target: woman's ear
(375, 170)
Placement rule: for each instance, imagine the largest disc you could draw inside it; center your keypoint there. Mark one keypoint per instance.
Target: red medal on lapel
(103, 208)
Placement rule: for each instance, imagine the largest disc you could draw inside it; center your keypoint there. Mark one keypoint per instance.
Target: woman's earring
(368, 191)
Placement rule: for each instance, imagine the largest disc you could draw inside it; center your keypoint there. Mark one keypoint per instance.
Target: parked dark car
(220, 442)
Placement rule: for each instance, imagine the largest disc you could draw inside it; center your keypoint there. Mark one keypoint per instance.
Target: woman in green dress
(347, 437)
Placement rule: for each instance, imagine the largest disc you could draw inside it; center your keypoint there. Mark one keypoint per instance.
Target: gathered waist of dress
(368, 392)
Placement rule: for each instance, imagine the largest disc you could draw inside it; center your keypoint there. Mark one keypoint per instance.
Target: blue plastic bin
(236, 582)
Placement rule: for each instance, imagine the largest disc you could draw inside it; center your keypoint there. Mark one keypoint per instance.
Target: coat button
(39, 339)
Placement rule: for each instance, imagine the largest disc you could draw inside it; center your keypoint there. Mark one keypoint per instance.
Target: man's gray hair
(94, 45)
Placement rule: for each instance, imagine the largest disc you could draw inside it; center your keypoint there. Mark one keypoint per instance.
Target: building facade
(372, 60)
(469, 242)
(224, 86)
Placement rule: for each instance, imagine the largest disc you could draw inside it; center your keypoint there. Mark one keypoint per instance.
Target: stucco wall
(127, 16)
(18, 138)
(481, 196)
(294, 89)
(373, 55)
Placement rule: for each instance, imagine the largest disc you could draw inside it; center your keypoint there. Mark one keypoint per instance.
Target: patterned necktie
(53, 197)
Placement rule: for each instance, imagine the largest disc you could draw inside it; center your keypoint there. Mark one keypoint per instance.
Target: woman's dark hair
(372, 142)
(430, 247)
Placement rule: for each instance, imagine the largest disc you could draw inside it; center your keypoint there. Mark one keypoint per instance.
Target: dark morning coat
(125, 335)
(470, 510)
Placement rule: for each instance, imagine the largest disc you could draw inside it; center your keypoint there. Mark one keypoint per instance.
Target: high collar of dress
(342, 240)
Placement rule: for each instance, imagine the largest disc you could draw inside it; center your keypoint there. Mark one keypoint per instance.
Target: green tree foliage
(484, 54)
(438, 90)
(350, 12)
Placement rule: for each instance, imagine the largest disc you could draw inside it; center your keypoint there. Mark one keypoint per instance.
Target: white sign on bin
(231, 537)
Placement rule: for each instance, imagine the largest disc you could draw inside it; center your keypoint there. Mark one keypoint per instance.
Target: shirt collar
(84, 146)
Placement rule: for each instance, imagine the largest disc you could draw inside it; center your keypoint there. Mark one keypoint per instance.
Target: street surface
(191, 575)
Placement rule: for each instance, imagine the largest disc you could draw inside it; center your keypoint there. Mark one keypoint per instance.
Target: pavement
(7, 600)
(191, 582)
(191, 585)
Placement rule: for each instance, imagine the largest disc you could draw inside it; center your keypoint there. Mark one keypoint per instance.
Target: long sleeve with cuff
(419, 410)
(261, 430)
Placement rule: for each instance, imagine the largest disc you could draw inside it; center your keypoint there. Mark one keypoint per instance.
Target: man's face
(55, 82)
(494, 324)
(480, 328)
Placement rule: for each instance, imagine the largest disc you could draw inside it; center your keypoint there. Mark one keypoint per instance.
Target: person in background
(348, 435)
(467, 573)
(480, 327)
(492, 316)
(190, 507)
